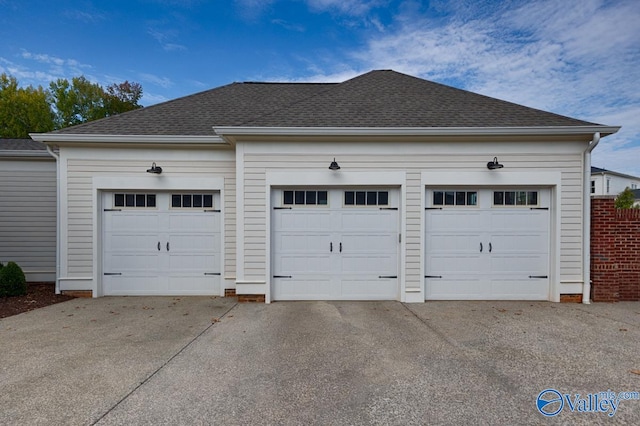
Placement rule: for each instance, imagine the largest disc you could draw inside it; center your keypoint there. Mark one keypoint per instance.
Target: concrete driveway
(211, 361)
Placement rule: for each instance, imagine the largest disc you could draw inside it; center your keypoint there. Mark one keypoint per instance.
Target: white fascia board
(127, 139)
(415, 131)
(25, 154)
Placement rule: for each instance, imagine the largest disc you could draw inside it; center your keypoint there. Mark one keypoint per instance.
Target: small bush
(12, 280)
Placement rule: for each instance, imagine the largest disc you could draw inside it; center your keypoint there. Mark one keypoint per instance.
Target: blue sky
(579, 58)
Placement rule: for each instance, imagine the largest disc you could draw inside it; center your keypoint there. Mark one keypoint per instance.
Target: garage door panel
(370, 220)
(128, 263)
(457, 221)
(368, 243)
(305, 287)
(460, 288)
(311, 220)
(486, 251)
(368, 289)
(134, 285)
(289, 264)
(160, 251)
(334, 253)
(519, 289)
(138, 221)
(456, 243)
(287, 242)
(520, 221)
(132, 243)
(372, 265)
(192, 223)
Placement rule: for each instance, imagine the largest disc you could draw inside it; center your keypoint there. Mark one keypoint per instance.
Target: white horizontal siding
(28, 216)
(80, 174)
(565, 158)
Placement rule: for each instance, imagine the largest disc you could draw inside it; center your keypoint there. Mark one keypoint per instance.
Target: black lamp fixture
(334, 165)
(492, 165)
(155, 169)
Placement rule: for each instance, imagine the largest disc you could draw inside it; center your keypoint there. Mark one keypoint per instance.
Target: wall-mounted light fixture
(155, 169)
(492, 165)
(334, 165)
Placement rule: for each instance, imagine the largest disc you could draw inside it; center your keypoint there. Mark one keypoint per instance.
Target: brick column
(605, 285)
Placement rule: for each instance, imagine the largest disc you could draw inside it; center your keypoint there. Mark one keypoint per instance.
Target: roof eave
(416, 131)
(56, 138)
(24, 153)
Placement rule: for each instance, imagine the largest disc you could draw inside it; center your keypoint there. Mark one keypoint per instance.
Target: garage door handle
(331, 247)
(158, 245)
(480, 247)
(282, 276)
(167, 245)
(387, 276)
(340, 247)
(490, 248)
(538, 276)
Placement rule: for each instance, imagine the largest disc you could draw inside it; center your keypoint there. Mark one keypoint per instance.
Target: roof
(378, 99)
(21, 145)
(23, 148)
(599, 171)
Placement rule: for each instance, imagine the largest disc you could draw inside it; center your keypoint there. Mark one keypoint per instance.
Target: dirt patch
(38, 295)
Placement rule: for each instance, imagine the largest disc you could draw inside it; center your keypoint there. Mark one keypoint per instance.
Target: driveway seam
(163, 365)
(441, 335)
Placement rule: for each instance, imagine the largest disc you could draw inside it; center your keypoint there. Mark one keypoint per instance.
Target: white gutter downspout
(57, 157)
(586, 220)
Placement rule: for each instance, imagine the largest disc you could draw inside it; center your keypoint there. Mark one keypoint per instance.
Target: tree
(23, 110)
(625, 199)
(122, 97)
(80, 100)
(77, 101)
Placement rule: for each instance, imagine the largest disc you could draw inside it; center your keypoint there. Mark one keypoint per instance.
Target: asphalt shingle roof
(382, 98)
(21, 145)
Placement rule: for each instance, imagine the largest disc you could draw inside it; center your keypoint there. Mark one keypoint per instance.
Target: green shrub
(12, 280)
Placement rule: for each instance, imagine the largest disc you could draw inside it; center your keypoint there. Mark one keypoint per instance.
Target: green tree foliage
(12, 280)
(65, 103)
(122, 97)
(23, 109)
(625, 199)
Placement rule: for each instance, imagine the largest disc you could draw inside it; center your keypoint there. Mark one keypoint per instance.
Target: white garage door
(487, 244)
(338, 244)
(161, 243)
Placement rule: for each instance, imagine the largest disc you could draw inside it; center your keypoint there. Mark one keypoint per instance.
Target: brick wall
(615, 251)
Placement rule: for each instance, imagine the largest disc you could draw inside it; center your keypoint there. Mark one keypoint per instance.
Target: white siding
(28, 216)
(414, 158)
(80, 172)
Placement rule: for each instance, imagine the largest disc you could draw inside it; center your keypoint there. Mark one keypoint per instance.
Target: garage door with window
(487, 244)
(161, 243)
(335, 244)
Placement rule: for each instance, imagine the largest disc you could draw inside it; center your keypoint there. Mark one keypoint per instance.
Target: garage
(157, 243)
(487, 244)
(335, 244)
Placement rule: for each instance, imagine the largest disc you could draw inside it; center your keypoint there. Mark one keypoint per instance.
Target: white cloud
(345, 7)
(576, 58)
(165, 38)
(163, 82)
(288, 25)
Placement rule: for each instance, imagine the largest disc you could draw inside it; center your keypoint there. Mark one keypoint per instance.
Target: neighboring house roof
(22, 148)
(599, 171)
(378, 99)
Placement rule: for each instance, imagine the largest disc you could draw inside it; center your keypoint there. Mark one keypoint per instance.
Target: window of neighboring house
(634, 186)
(593, 186)
(608, 185)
